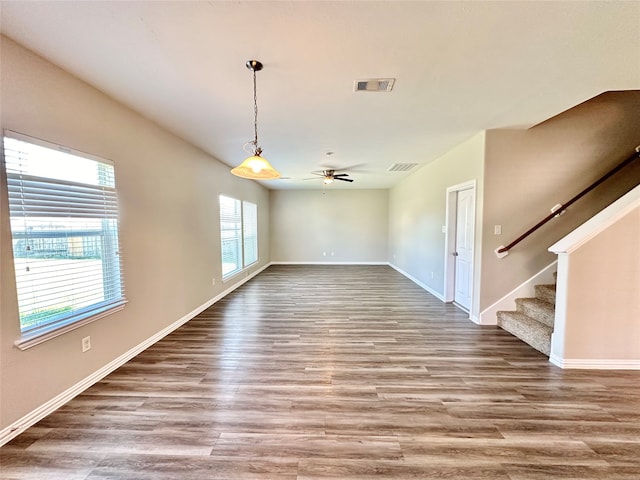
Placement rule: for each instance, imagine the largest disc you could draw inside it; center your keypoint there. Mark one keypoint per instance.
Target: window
(250, 232)
(238, 235)
(64, 227)
(230, 235)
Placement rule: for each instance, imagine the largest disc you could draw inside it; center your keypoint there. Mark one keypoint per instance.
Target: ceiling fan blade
(343, 179)
(336, 175)
(347, 168)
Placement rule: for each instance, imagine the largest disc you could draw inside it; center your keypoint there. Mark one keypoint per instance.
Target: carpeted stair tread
(546, 293)
(537, 309)
(530, 331)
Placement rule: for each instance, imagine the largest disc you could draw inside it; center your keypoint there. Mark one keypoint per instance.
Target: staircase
(532, 321)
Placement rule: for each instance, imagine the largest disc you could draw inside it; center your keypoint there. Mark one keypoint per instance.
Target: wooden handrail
(503, 251)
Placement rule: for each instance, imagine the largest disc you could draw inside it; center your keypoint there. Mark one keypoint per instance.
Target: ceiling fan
(328, 176)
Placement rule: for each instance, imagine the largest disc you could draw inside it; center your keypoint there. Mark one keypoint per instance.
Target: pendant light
(255, 167)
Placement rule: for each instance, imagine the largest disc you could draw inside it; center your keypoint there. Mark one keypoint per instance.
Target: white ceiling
(460, 67)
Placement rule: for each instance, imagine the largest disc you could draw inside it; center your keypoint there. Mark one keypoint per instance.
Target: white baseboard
(595, 364)
(328, 263)
(525, 290)
(438, 295)
(33, 417)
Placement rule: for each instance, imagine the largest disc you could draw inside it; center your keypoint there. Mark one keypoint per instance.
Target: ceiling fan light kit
(255, 167)
(329, 176)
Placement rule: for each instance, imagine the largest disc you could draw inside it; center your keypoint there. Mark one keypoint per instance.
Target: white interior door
(465, 219)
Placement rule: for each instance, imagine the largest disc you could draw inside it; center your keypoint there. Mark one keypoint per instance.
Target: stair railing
(559, 209)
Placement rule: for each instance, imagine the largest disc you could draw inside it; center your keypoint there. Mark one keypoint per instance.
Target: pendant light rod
(255, 66)
(255, 167)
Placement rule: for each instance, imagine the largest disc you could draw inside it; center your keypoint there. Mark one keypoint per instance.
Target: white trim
(239, 273)
(462, 186)
(560, 314)
(328, 263)
(598, 223)
(31, 418)
(418, 282)
(595, 364)
(31, 339)
(450, 241)
(525, 290)
(474, 318)
(448, 285)
(54, 146)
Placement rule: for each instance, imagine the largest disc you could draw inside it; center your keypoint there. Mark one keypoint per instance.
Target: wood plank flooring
(338, 372)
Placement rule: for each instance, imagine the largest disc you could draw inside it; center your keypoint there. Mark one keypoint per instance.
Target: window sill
(236, 274)
(31, 339)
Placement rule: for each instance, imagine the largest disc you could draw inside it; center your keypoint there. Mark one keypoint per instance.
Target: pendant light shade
(255, 167)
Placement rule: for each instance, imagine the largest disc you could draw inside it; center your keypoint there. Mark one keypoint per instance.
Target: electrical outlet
(86, 344)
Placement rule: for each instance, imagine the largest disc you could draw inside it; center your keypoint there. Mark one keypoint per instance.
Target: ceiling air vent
(401, 167)
(375, 85)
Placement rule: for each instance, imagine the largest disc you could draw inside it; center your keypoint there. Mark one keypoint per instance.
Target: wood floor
(338, 372)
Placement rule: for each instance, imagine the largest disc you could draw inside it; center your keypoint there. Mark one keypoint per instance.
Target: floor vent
(401, 167)
(374, 85)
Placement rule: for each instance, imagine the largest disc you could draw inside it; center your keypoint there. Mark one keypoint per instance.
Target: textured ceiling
(460, 67)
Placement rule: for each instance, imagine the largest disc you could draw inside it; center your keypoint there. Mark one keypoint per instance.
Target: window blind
(230, 235)
(250, 232)
(238, 234)
(64, 225)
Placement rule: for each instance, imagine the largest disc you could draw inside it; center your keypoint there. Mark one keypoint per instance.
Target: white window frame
(238, 235)
(249, 233)
(61, 205)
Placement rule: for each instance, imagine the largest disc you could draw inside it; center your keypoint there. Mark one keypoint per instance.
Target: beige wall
(169, 213)
(417, 208)
(169, 226)
(529, 171)
(602, 304)
(350, 223)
